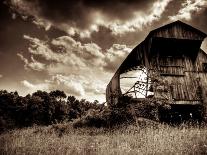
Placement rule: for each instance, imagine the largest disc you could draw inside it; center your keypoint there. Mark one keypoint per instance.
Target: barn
(175, 67)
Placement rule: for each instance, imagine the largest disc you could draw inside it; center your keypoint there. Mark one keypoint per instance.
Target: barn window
(205, 67)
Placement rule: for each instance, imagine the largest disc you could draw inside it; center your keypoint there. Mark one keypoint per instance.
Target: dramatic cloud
(89, 51)
(70, 84)
(115, 55)
(34, 64)
(34, 87)
(65, 50)
(189, 7)
(76, 85)
(140, 19)
(86, 16)
(78, 69)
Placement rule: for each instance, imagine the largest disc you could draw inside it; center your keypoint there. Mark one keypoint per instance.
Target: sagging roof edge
(113, 90)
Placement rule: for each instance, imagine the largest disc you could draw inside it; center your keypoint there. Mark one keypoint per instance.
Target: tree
(58, 94)
(71, 99)
(48, 105)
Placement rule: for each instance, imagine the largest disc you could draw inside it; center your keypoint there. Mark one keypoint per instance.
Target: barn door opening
(180, 113)
(136, 83)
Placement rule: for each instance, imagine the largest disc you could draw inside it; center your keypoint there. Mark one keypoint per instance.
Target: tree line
(41, 108)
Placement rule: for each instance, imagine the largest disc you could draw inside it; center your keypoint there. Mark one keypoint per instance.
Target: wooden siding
(184, 76)
(178, 30)
(171, 66)
(184, 89)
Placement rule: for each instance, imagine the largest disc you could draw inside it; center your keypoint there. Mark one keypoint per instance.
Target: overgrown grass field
(64, 139)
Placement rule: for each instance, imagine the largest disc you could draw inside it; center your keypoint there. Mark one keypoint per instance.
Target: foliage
(40, 108)
(126, 112)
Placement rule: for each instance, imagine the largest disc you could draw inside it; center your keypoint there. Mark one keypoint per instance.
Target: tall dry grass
(64, 139)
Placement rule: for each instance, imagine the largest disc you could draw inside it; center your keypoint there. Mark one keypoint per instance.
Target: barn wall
(180, 65)
(185, 77)
(113, 90)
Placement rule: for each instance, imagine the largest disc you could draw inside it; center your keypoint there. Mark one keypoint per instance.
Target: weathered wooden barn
(175, 66)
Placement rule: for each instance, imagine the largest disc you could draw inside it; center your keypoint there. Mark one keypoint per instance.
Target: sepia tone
(103, 77)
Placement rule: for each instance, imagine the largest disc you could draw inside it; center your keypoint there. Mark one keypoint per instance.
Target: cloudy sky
(77, 45)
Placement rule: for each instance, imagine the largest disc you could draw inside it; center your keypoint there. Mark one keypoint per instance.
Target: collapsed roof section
(140, 54)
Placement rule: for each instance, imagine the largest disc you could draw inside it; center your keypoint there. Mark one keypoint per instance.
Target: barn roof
(178, 30)
(174, 30)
